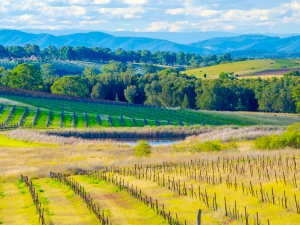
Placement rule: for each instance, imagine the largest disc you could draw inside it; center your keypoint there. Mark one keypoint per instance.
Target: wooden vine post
(199, 217)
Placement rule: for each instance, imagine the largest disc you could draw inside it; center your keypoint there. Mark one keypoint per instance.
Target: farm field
(245, 68)
(231, 188)
(51, 113)
(61, 180)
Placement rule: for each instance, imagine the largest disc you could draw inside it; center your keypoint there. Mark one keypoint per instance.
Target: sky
(240, 16)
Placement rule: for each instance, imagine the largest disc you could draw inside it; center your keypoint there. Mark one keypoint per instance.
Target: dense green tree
(296, 97)
(3, 52)
(25, 76)
(67, 53)
(32, 50)
(131, 94)
(48, 70)
(16, 51)
(113, 67)
(292, 73)
(91, 77)
(149, 68)
(100, 91)
(70, 85)
(103, 55)
(49, 76)
(186, 103)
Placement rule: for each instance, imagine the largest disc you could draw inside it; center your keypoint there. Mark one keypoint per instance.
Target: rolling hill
(272, 67)
(249, 45)
(92, 39)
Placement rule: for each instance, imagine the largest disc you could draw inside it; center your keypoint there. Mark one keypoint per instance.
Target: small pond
(152, 142)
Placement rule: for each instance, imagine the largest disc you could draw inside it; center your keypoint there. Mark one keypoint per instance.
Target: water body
(152, 142)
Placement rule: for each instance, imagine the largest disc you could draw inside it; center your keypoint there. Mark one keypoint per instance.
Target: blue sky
(243, 16)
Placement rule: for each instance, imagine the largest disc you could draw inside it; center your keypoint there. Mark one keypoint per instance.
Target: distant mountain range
(216, 45)
(251, 42)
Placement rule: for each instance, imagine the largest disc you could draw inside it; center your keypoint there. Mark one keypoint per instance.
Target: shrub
(207, 146)
(142, 149)
(290, 138)
(229, 146)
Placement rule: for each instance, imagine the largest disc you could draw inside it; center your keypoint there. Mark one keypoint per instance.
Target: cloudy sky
(242, 16)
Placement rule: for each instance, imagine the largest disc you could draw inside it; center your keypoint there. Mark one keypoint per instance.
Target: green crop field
(51, 113)
(243, 68)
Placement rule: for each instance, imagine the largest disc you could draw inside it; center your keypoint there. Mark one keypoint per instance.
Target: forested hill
(93, 39)
(250, 43)
(247, 44)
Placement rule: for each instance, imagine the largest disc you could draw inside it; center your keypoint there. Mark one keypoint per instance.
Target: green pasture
(247, 67)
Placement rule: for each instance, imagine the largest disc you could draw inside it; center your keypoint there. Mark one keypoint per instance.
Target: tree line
(103, 55)
(167, 88)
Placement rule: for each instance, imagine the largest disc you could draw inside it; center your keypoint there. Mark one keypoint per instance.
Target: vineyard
(58, 113)
(249, 189)
(7, 64)
(286, 63)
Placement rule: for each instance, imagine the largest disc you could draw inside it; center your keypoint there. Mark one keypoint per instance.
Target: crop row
(42, 118)
(131, 112)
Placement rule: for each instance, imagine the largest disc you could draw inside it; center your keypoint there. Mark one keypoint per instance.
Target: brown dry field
(270, 73)
(39, 161)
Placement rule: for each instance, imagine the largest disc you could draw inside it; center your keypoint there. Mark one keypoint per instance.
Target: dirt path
(16, 205)
(121, 207)
(63, 206)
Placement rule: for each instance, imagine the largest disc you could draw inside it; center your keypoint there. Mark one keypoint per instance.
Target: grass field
(244, 68)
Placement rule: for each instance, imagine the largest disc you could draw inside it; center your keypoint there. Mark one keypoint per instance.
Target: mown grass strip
(16, 204)
(64, 205)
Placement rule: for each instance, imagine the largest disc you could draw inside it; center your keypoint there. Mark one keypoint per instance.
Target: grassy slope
(29, 118)
(42, 118)
(244, 68)
(151, 114)
(237, 67)
(4, 114)
(7, 142)
(256, 118)
(17, 115)
(296, 60)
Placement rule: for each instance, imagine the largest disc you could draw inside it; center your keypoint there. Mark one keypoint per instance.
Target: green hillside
(54, 113)
(244, 67)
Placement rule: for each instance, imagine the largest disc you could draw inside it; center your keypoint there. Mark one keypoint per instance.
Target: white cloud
(80, 2)
(154, 15)
(126, 13)
(135, 2)
(166, 26)
(100, 2)
(200, 11)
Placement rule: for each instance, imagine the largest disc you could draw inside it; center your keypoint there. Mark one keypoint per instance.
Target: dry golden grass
(120, 206)
(234, 134)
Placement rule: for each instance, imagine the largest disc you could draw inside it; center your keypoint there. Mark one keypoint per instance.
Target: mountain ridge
(217, 45)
